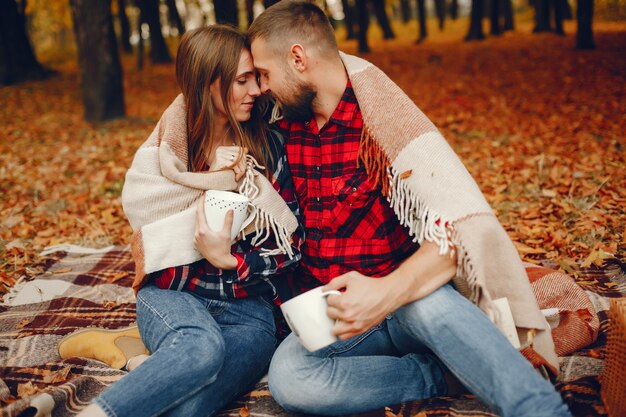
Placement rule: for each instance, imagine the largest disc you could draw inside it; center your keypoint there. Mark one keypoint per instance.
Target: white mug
(307, 318)
(216, 205)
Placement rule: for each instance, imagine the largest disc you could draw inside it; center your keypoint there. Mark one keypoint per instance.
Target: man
(373, 176)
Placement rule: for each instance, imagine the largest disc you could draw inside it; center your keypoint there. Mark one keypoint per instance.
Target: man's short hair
(288, 22)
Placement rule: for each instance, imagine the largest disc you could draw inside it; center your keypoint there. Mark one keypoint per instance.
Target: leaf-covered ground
(539, 125)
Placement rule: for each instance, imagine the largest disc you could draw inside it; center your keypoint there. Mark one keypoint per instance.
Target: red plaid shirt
(349, 223)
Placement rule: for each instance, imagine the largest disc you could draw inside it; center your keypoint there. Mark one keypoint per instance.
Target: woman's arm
(241, 266)
(253, 261)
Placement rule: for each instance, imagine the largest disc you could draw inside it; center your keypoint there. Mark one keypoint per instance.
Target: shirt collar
(346, 110)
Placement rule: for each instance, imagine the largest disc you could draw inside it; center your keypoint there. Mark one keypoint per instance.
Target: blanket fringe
(477, 294)
(425, 224)
(277, 113)
(264, 222)
(374, 161)
(248, 188)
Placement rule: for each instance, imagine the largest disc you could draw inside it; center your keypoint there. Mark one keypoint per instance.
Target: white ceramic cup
(216, 205)
(307, 318)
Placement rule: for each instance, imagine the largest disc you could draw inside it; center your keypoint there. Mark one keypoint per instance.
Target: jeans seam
(445, 363)
(154, 311)
(105, 407)
(358, 339)
(266, 303)
(216, 311)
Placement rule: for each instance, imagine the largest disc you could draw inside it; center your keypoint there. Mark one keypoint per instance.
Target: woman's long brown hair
(205, 55)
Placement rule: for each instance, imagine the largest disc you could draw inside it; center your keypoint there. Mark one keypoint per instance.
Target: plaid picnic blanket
(93, 289)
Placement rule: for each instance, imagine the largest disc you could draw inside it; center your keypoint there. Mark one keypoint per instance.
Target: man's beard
(300, 106)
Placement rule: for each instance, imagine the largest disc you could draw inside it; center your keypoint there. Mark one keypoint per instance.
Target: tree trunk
(140, 47)
(124, 26)
(558, 17)
(507, 12)
(175, 16)
(542, 16)
(567, 10)
(150, 15)
(17, 60)
(584, 32)
(440, 11)
(421, 17)
(363, 20)
(405, 10)
(268, 3)
(226, 12)
(250, 11)
(348, 21)
(382, 18)
(495, 18)
(100, 69)
(476, 21)
(454, 9)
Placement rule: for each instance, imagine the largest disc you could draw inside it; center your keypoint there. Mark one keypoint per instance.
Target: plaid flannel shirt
(349, 223)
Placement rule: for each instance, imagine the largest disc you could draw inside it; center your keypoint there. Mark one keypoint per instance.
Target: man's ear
(298, 58)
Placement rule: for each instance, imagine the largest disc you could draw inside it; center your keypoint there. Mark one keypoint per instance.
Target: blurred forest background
(530, 93)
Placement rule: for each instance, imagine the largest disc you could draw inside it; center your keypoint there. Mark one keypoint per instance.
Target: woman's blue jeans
(395, 362)
(204, 354)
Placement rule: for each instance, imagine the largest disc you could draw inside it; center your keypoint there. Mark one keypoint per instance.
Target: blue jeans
(204, 354)
(395, 362)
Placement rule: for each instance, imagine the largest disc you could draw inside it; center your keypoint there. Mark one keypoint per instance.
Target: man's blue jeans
(395, 362)
(205, 353)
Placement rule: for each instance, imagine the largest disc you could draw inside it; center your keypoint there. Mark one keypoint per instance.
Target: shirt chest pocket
(353, 196)
(301, 191)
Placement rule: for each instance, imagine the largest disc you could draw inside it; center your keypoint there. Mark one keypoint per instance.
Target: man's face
(280, 80)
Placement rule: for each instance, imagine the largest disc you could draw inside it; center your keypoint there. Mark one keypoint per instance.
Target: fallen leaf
(23, 324)
(16, 243)
(244, 411)
(60, 375)
(26, 389)
(389, 412)
(109, 305)
(113, 277)
(525, 249)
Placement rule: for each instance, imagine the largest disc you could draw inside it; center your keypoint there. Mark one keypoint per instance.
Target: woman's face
(243, 92)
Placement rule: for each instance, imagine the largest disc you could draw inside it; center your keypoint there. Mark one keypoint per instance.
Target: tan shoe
(111, 346)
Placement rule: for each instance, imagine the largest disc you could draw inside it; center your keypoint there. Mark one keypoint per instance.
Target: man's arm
(367, 301)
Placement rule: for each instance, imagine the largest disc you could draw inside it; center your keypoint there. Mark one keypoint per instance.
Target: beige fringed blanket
(160, 198)
(433, 194)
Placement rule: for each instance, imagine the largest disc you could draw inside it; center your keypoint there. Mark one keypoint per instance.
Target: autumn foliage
(539, 125)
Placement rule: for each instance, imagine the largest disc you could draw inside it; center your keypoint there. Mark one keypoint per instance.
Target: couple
(391, 218)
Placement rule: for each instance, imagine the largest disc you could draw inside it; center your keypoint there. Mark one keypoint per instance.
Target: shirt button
(307, 123)
(317, 167)
(354, 189)
(318, 199)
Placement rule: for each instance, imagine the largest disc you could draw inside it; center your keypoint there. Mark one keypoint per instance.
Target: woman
(211, 340)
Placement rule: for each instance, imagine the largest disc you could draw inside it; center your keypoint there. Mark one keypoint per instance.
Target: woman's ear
(214, 88)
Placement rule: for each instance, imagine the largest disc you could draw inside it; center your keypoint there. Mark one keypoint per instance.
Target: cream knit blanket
(160, 197)
(436, 198)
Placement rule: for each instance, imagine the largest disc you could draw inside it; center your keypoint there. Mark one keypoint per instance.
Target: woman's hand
(214, 246)
(226, 156)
